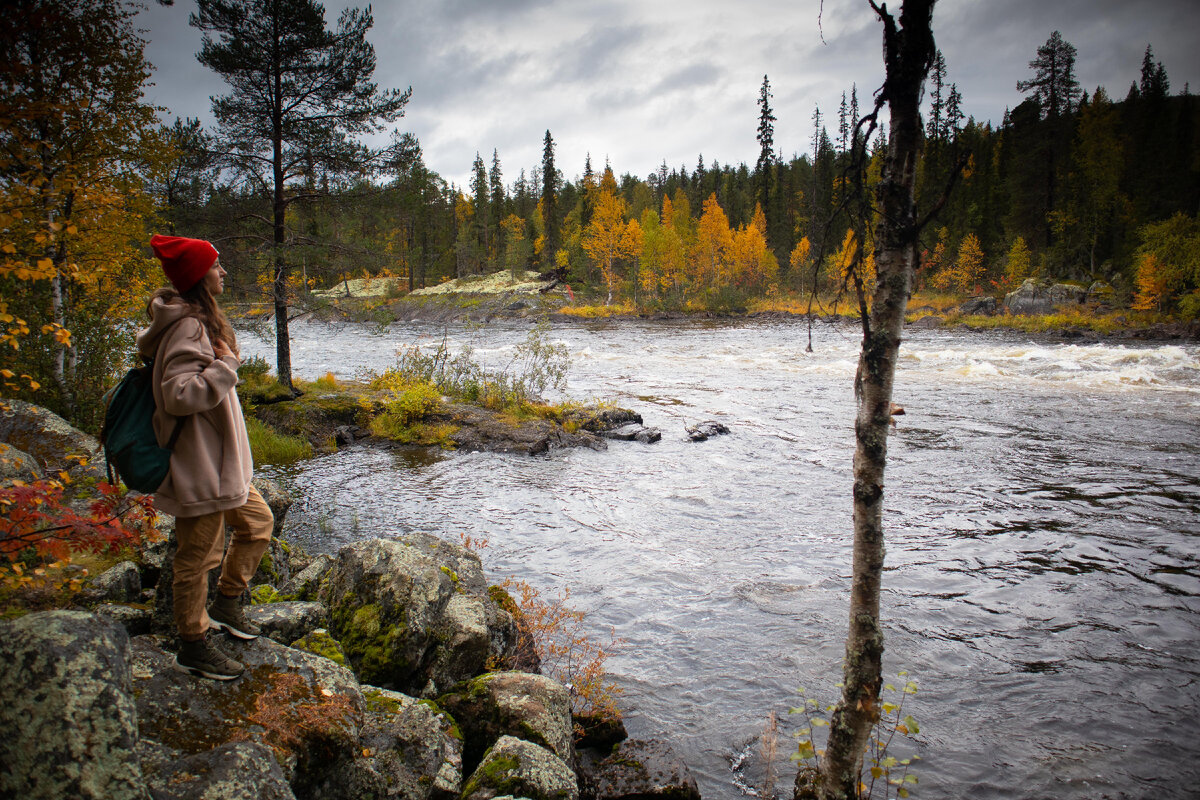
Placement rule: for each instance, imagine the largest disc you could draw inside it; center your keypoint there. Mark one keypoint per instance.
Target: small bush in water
(882, 770)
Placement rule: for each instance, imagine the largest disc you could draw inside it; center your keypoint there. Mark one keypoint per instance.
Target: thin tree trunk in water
(908, 53)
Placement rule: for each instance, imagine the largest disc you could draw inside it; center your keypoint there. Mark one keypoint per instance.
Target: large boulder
(17, 465)
(1032, 297)
(306, 709)
(978, 306)
(305, 584)
(288, 621)
(408, 749)
(1028, 298)
(120, 583)
(68, 713)
(1063, 294)
(517, 768)
(638, 769)
(413, 613)
(45, 436)
(276, 497)
(530, 707)
(235, 770)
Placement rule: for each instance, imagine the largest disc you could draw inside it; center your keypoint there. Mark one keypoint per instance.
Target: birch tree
(908, 50)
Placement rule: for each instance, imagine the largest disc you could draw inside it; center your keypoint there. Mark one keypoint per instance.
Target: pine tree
(301, 94)
(1053, 84)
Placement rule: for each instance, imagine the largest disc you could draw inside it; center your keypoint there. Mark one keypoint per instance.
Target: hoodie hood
(163, 314)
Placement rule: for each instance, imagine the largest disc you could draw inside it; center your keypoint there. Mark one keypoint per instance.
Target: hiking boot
(204, 659)
(227, 614)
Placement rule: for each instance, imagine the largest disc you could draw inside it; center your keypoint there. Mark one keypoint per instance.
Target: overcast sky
(639, 82)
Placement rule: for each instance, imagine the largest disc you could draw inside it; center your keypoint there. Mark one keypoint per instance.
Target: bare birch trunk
(908, 53)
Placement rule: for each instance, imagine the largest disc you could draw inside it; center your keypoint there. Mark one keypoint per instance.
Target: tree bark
(908, 53)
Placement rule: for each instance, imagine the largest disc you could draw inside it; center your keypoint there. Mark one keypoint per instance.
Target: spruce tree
(550, 244)
(766, 143)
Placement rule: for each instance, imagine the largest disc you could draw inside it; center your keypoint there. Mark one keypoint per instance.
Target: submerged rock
(68, 712)
(634, 432)
(705, 430)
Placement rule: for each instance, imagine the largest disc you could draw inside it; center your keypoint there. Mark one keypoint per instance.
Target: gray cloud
(643, 82)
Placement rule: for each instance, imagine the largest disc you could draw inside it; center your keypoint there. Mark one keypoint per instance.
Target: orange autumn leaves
(669, 257)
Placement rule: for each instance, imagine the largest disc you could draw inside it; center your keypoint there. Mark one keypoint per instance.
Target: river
(1042, 516)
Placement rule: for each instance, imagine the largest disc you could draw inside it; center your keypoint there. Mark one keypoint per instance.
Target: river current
(1043, 525)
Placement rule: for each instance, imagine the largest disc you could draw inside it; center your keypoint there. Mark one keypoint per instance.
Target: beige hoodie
(211, 464)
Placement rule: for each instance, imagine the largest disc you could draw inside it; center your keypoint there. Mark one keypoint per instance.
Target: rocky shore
(392, 669)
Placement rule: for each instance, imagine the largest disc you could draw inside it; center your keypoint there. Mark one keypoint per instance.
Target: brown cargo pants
(201, 543)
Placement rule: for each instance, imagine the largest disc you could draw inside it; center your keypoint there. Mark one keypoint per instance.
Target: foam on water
(1098, 366)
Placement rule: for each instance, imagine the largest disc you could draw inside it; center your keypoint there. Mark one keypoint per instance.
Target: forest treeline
(1070, 185)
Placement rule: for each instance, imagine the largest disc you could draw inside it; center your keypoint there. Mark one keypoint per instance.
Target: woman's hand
(220, 349)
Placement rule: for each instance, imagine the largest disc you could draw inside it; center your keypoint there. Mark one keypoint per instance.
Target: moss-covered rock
(530, 707)
(320, 643)
(235, 770)
(638, 769)
(521, 769)
(306, 709)
(407, 624)
(69, 717)
(288, 620)
(407, 749)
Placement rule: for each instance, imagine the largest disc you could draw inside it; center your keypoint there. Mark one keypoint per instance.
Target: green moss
(503, 599)
(322, 644)
(371, 644)
(267, 565)
(497, 772)
(264, 593)
(454, 732)
(380, 703)
(453, 575)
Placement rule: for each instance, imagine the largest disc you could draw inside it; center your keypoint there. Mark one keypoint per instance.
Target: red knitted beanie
(185, 261)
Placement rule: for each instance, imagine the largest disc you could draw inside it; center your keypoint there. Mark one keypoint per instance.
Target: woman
(208, 486)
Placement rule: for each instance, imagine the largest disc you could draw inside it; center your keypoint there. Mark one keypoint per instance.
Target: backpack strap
(175, 433)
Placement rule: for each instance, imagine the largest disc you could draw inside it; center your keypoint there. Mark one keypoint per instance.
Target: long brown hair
(204, 308)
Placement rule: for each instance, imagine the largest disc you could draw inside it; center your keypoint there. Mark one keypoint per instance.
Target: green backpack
(130, 446)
